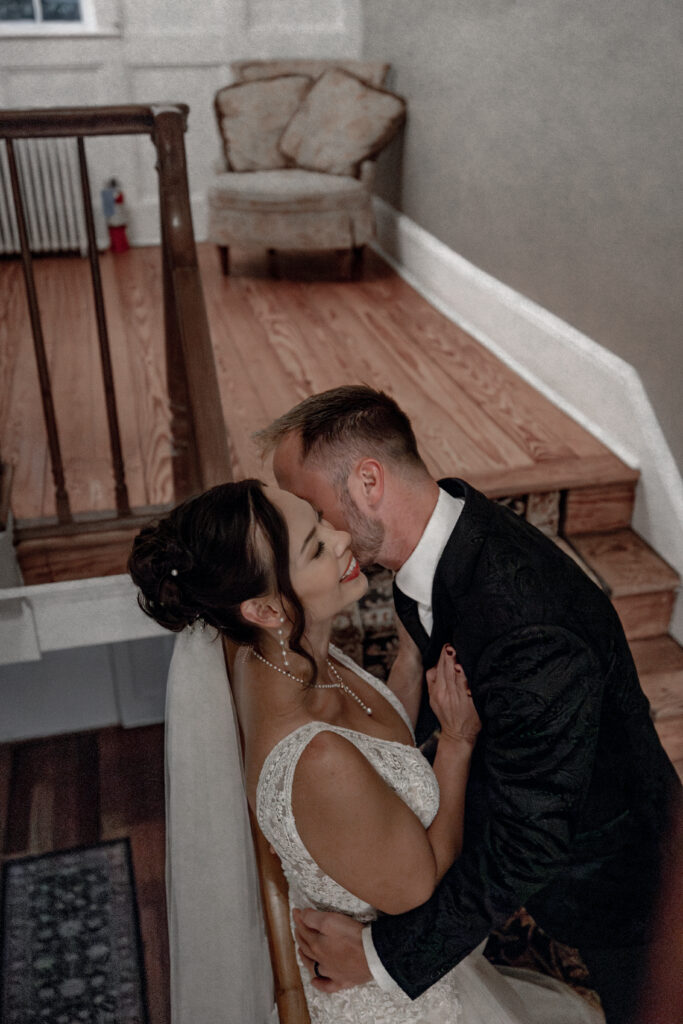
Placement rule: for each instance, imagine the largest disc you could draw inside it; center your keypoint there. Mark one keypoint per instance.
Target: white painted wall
(150, 51)
(79, 655)
(85, 688)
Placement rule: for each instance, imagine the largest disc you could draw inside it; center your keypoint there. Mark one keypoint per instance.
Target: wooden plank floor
(78, 789)
(276, 341)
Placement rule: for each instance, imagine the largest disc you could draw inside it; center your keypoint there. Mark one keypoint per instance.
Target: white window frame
(86, 26)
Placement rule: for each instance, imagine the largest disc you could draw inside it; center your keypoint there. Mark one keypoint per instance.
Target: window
(46, 17)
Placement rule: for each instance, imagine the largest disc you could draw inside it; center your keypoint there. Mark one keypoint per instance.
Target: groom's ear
(263, 612)
(366, 483)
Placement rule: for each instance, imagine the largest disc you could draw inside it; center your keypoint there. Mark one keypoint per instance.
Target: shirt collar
(416, 575)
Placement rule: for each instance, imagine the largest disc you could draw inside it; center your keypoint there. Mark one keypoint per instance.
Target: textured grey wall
(544, 145)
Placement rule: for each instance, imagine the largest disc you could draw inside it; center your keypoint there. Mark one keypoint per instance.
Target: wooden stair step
(597, 509)
(641, 585)
(645, 615)
(659, 661)
(569, 474)
(625, 563)
(46, 560)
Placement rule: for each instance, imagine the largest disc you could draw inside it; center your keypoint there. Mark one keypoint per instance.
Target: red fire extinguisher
(116, 216)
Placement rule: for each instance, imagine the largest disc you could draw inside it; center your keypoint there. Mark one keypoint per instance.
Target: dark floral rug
(71, 948)
(367, 633)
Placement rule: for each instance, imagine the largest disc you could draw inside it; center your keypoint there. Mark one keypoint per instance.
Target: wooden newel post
(199, 434)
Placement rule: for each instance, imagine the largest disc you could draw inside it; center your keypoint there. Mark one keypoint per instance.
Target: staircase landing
(277, 341)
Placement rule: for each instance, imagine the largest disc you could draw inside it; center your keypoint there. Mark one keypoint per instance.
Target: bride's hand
(451, 699)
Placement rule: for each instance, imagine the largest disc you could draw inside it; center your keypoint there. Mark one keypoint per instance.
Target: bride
(361, 822)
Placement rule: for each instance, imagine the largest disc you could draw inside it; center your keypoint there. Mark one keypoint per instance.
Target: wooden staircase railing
(289, 991)
(200, 444)
(10, 576)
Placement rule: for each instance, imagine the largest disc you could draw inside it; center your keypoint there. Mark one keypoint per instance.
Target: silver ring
(316, 970)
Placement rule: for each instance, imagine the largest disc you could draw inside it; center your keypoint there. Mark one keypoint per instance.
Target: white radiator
(51, 188)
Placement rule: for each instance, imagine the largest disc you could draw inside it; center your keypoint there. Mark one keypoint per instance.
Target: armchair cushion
(290, 209)
(371, 71)
(339, 123)
(252, 116)
(286, 189)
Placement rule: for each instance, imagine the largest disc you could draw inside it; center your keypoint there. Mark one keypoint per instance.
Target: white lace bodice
(409, 774)
(403, 768)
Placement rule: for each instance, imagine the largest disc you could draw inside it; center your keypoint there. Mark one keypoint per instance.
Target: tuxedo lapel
(453, 573)
(460, 556)
(406, 609)
(457, 564)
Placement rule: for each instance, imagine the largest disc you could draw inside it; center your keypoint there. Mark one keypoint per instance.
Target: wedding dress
(473, 992)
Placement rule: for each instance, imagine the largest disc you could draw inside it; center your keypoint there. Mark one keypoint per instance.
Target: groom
(570, 789)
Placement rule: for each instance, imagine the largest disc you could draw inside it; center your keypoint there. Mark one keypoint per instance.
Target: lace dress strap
(274, 787)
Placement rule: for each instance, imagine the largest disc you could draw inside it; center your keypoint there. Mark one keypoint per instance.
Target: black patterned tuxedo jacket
(569, 785)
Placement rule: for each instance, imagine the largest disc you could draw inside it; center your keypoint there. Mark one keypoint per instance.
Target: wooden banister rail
(289, 991)
(200, 443)
(192, 380)
(63, 122)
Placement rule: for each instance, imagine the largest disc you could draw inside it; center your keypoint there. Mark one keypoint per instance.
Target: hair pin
(174, 572)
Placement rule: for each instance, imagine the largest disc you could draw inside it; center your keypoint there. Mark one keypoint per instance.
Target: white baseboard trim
(591, 384)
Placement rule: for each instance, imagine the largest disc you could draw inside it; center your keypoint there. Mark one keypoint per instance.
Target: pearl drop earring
(281, 640)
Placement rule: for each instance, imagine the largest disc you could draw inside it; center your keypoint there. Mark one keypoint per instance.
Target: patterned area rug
(367, 632)
(71, 942)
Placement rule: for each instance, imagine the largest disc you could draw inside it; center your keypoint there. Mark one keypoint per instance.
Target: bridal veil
(220, 964)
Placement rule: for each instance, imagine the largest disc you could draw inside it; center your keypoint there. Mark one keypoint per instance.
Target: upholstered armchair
(299, 142)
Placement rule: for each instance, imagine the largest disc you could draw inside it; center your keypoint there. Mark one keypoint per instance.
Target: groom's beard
(367, 535)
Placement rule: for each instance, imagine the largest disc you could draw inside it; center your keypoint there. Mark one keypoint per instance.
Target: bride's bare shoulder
(264, 717)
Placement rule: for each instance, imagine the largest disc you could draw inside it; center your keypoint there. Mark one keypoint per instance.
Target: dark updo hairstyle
(208, 555)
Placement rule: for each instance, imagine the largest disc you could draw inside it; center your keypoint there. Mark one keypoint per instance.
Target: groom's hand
(334, 942)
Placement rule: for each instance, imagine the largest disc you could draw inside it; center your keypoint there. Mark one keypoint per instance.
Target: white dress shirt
(415, 578)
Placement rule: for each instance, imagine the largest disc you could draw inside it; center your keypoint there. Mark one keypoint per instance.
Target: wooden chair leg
(357, 256)
(343, 257)
(224, 254)
(273, 268)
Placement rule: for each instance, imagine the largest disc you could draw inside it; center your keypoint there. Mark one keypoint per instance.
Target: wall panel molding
(205, 50)
(57, 66)
(305, 15)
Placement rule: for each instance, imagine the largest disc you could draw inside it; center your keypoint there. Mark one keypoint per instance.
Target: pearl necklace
(339, 685)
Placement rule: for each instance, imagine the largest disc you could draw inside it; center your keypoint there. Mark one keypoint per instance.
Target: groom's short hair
(347, 421)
